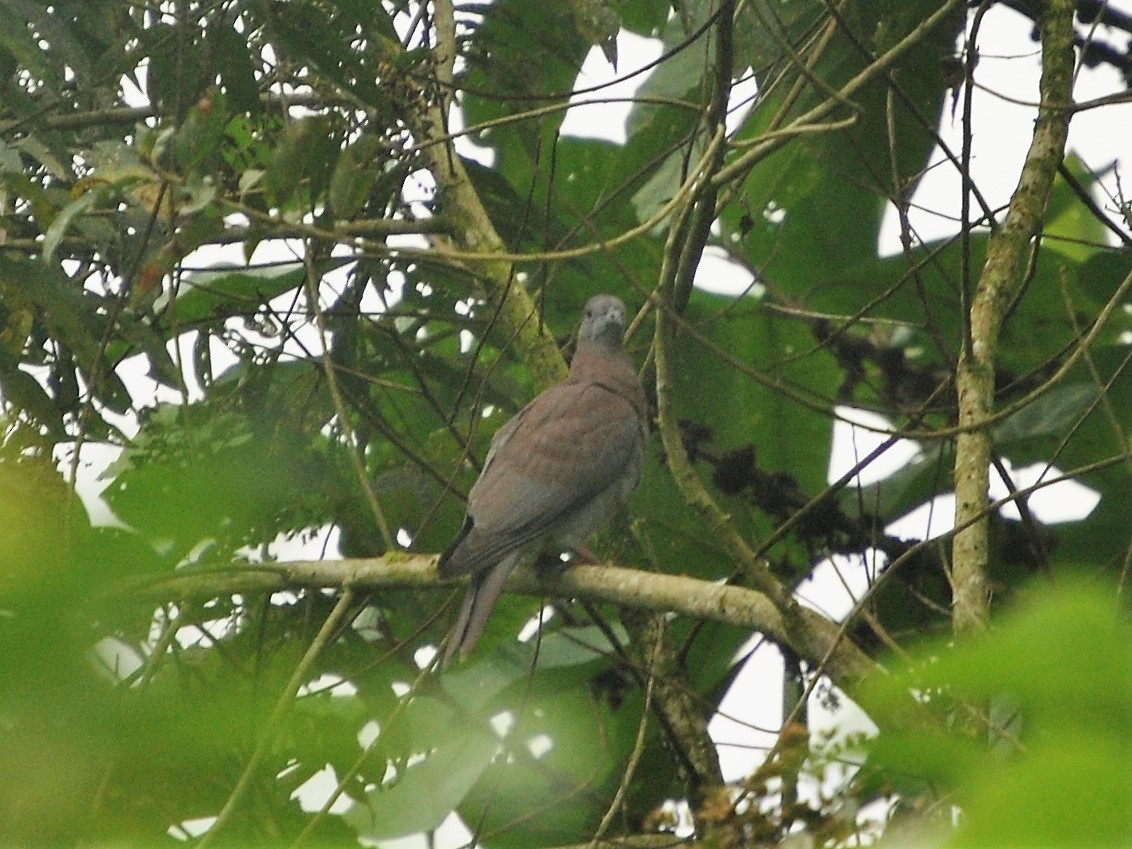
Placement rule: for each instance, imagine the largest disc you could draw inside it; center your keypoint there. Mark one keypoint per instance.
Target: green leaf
(662, 141)
(76, 208)
(914, 484)
(1051, 414)
(1075, 704)
(196, 144)
(306, 153)
(500, 75)
(741, 408)
(236, 70)
(10, 162)
(565, 750)
(17, 41)
(813, 205)
(420, 795)
(327, 42)
(178, 63)
(354, 176)
(1070, 228)
(764, 29)
(24, 392)
(71, 316)
(194, 474)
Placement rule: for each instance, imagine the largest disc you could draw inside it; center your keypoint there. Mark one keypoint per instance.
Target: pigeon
(558, 471)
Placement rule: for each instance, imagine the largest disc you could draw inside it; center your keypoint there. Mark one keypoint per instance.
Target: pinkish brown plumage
(558, 470)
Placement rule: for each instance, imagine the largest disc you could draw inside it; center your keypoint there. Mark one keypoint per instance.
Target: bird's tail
(483, 593)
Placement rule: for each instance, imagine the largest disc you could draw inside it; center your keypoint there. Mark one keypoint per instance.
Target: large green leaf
(817, 203)
(662, 135)
(326, 42)
(197, 475)
(1011, 794)
(20, 43)
(420, 795)
(501, 83)
(739, 379)
(73, 316)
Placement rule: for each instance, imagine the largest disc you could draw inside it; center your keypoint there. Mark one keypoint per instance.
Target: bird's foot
(582, 554)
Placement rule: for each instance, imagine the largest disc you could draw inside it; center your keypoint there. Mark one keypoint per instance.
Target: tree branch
(473, 231)
(681, 713)
(816, 639)
(1008, 254)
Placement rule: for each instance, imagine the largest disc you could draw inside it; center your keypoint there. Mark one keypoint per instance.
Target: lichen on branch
(1009, 254)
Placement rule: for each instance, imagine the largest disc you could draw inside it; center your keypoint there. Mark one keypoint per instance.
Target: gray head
(603, 321)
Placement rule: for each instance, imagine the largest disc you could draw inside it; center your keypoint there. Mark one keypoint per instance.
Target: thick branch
(1008, 253)
(473, 231)
(679, 708)
(816, 639)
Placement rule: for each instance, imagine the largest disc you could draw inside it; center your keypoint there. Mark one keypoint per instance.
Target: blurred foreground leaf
(1048, 695)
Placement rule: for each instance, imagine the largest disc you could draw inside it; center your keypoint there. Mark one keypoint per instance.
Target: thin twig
(286, 699)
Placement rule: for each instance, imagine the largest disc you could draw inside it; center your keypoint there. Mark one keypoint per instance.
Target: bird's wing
(566, 447)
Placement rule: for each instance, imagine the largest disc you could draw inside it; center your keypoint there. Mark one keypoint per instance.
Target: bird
(558, 470)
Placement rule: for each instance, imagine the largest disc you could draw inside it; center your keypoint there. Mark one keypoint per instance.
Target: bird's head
(603, 321)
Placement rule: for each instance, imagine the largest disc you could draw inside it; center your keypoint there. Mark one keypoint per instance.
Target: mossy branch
(816, 640)
(1008, 255)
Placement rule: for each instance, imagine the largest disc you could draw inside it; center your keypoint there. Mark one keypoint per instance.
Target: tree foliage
(291, 264)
